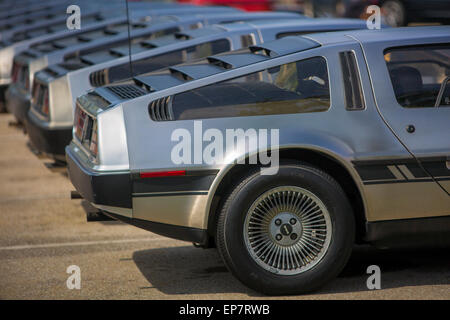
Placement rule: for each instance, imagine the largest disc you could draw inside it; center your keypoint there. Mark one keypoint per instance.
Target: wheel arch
(322, 159)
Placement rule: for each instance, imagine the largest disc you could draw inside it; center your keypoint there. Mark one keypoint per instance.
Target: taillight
(15, 72)
(27, 81)
(24, 76)
(45, 105)
(34, 93)
(93, 145)
(86, 130)
(79, 124)
(40, 98)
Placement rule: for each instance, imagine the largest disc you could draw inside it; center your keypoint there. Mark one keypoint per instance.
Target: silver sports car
(284, 154)
(37, 53)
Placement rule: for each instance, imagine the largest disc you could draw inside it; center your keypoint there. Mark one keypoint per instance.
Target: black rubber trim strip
(47, 140)
(198, 180)
(409, 231)
(404, 181)
(377, 170)
(170, 194)
(195, 235)
(105, 189)
(374, 172)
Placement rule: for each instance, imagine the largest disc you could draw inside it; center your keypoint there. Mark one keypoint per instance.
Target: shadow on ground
(188, 270)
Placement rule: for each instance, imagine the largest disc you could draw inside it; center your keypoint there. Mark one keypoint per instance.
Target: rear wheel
(288, 233)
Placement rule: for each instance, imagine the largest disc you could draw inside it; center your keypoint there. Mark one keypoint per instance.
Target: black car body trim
(420, 231)
(112, 189)
(50, 141)
(195, 235)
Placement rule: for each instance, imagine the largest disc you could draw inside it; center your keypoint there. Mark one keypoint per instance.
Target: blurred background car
(19, 71)
(20, 37)
(402, 12)
(395, 13)
(249, 5)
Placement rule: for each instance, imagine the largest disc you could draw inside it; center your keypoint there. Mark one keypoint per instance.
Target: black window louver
(127, 91)
(161, 109)
(98, 78)
(29, 54)
(51, 72)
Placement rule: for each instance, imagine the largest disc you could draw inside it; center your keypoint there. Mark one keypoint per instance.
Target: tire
(235, 236)
(394, 13)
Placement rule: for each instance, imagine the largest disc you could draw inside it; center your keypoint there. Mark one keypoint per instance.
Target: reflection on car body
(50, 129)
(350, 166)
(37, 53)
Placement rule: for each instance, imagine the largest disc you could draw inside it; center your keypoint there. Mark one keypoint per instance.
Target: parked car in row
(46, 11)
(92, 21)
(50, 119)
(15, 10)
(395, 13)
(402, 12)
(247, 5)
(42, 54)
(359, 151)
(57, 16)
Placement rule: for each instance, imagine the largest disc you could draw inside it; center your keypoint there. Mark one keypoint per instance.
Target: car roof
(287, 45)
(174, 75)
(366, 37)
(306, 23)
(243, 26)
(178, 74)
(245, 16)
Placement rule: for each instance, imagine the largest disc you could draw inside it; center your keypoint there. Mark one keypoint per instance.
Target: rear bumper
(104, 189)
(17, 102)
(3, 89)
(50, 141)
(112, 194)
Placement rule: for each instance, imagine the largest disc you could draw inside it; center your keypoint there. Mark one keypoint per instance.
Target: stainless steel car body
(9, 51)
(46, 11)
(40, 55)
(64, 90)
(10, 11)
(55, 18)
(371, 141)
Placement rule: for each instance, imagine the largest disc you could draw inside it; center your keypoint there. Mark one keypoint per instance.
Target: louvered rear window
(127, 91)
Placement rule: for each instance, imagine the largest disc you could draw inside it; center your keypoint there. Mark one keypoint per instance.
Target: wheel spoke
(287, 230)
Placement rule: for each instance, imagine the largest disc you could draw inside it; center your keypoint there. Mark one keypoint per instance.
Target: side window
(297, 87)
(195, 25)
(354, 99)
(420, 75)
(247, 40)
(164, 32)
